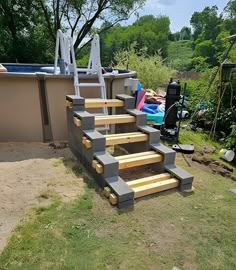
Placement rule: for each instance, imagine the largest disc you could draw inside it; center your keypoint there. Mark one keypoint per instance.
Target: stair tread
(123, 134)
(114, 116)
(131, 138)
(114, 119)
(148, 180)
(139, 161)
(99, 102)
(155, 187)
(135, 155)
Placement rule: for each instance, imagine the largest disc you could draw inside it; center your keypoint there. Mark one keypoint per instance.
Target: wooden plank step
(98, 103)
(113, 140)
(138, 137)
(155, 187)
(148, 180)
(132, 160)
(120, 134)
(114, 119)
(109, 119)
(139, 161)
(135, 155)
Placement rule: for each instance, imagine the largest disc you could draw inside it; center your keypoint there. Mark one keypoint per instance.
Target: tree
(230, 9)
(185, 33)
(22, 35)
(230, 19)
(206, 24)
(147, 31)
(80, 16)
(206, 28)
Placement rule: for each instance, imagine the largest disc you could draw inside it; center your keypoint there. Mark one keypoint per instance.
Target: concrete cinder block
(76, 100)
(125, 204)
(74, 134)
(120, 188)
(100, 180)
(87, 120)
(184, 177)
(128, 100)
(110, 164)
(98, 142)
(78, 103)
(154, 134)
(168, 153)
(183, 188)
(141, 117)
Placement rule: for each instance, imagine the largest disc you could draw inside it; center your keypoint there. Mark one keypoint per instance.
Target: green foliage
(28, 28)
(180, 54)
(151, 70)
(230, 20)
(198, 90)
(206, 24)
(22, 35)
(231, 140)
(184, 34)
(209, 32)
(199, 63)
(148, 31)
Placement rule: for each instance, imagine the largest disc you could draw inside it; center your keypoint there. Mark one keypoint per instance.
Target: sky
(179, 11)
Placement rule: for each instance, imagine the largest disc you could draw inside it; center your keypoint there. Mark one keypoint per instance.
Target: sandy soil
(28, 170)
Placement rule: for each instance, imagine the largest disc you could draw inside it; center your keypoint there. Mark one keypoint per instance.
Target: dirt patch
(30, 172)
(136, 172)
(215, 166)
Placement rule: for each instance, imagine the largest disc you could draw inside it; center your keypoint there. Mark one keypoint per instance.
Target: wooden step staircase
(106, 168)
(146, 186)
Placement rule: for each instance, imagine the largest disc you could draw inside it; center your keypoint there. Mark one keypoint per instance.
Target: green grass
(198, 139)
(180, 54)
(164, 230)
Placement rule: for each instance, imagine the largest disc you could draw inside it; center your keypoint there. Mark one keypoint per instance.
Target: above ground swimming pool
(32, 103)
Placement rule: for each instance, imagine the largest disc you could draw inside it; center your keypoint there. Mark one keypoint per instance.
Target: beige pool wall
(32, 105)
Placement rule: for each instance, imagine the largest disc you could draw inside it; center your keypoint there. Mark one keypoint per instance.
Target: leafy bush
(226, 117)
(231, 140)
(151, 70)
(198, 89)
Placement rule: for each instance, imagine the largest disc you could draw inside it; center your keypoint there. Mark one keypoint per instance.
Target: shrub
(151, 70)
(198, 90)
(231, 140)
